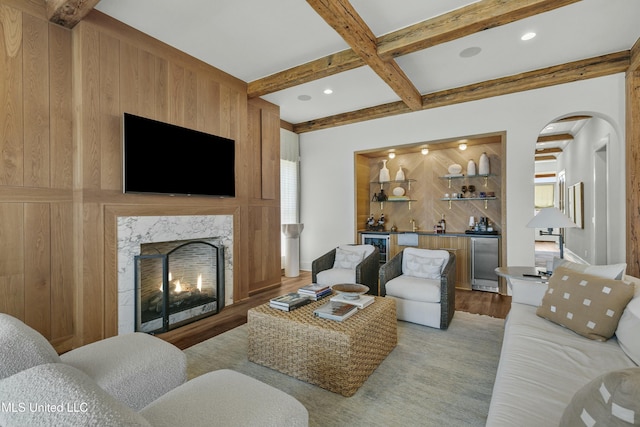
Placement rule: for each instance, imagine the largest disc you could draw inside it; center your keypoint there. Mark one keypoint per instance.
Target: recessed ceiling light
(328, 91)
(462, 146)
(424, 151)
(528, 36)
(470, 51)
(392, 155)
(304, 97)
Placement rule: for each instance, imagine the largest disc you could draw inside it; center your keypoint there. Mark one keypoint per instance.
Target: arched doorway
(580, 155)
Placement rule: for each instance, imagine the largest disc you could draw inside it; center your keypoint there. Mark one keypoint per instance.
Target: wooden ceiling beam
(543, 151)
(634, 66)
(320, 68)
(574, 118)
(68, 13)
(556, 137)
(545, 77)
(476, 17)
(343, 18)
(541, 158)
(491, 13)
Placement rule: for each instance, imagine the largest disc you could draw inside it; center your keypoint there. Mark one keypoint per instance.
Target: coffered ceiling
(383, 57)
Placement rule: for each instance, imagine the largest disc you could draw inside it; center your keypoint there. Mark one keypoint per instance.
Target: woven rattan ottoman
(337, 356)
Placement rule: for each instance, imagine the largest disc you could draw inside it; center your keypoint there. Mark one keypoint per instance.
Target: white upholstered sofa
(547, 371)
(127, 380)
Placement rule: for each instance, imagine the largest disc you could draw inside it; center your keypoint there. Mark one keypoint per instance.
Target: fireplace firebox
(178, 282)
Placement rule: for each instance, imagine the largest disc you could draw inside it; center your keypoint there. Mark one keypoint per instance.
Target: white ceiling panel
(252, 39)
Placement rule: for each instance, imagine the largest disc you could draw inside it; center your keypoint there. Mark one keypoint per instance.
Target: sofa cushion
(588, 305)
(611, 400)
(611, 271)
(414, 288)
(56, 394)
(22, 347)
(347, 259)
(628, 332)
(527, 292)
(127, 366)
(424, 263)
(334, 276)
(542, 365)
(242, 401)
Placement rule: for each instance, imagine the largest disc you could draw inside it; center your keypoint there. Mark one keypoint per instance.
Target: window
(288, 192)
(289, 181)
(544, 195)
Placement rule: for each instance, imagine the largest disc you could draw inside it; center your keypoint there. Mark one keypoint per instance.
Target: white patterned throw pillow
(347, 259)
(610, 271)
(426, 264)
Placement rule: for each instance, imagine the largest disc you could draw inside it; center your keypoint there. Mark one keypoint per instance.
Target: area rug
(432, 378)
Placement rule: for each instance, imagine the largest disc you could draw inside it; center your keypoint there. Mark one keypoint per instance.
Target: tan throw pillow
(611, 400)
(588, 305)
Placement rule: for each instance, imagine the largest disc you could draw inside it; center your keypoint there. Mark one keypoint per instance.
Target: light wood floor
(478, 302)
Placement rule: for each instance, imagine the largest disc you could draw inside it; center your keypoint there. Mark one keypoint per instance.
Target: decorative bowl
(398, 191)
(350, 290)
(455, 169)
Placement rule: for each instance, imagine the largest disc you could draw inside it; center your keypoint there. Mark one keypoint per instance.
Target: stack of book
(362, 302)
(290, 301)
(315, 291)
(335, 311)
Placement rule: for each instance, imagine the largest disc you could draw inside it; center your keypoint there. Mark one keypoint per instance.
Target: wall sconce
(392, 155)
(462, 146)
(424, 151)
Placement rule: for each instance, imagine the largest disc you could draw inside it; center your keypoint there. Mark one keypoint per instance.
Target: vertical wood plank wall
(632, 156)
(36, 198)
(63, 94)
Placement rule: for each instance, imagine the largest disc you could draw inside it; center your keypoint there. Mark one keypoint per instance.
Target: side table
(521, 273)
(523, 287)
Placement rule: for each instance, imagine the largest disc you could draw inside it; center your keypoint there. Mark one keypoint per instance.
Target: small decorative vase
(483, 167)
(384, 172)
(400, 174)
(471, 168)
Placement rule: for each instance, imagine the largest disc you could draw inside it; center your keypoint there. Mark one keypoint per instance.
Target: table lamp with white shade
(551, 218)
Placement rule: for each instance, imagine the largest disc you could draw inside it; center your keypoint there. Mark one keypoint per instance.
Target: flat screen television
(161, 158)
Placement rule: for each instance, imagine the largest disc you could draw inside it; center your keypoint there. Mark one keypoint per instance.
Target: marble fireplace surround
(132, 231)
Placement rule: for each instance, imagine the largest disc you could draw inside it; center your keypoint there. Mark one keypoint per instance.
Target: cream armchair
(348, 264)
(422, 281)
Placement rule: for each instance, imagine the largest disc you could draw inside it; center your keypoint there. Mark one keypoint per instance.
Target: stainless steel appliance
(484, 261)
(381, 241)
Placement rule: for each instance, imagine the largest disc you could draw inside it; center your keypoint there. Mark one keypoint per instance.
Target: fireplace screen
(177, 283)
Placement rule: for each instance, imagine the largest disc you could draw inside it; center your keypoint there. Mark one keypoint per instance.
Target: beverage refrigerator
(484, 261)
(380, 241)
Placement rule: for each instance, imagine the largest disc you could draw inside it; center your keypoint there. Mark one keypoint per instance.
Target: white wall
(327, 156)
(578, 161)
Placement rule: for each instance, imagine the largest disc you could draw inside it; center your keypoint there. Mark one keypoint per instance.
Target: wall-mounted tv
(162, 158)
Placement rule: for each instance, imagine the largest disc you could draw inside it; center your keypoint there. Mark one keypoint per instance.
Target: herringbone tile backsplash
(430, 187)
